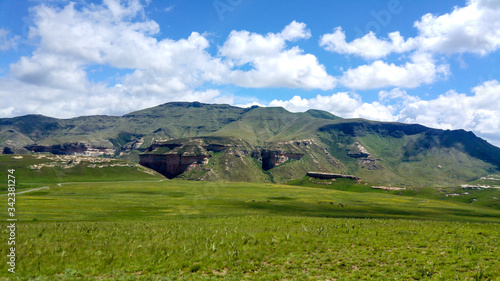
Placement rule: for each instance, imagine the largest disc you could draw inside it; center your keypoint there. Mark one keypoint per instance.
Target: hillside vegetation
(226, 143)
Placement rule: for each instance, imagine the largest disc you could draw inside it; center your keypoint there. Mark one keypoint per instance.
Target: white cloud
(271, 63)
(479, 113)
(50, 70)
(107, 35)
(368, 46)
(474, 28)
(95, 99)
(250, 104)
(169, 8)
(421, 70)
(7, 42)
(53, 80)
(295, 31)
(290, 68)
(341, 104)
(72, 39)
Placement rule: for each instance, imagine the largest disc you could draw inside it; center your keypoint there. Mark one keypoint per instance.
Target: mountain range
(260, 144)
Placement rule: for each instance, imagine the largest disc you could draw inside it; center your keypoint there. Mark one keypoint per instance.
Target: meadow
(185, 230)
(152, 228)
(258, 248)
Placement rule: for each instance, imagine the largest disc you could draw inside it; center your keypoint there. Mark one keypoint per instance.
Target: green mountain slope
(261, 125)
(221, 142)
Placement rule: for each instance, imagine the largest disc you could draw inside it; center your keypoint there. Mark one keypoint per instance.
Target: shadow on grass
(330, 209)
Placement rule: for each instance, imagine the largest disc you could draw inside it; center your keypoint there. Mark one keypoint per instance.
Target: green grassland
(258, 248)
(185, 230)
(43, 169)
(138, 225)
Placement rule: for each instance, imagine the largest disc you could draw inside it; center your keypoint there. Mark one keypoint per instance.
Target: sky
(435, 63)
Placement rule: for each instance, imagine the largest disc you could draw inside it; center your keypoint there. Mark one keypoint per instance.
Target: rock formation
(172, 165)
(272, 158)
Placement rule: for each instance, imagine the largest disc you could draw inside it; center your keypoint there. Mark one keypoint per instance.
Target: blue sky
(428, 62)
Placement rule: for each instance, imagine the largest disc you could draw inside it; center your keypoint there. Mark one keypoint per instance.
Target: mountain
(222, 142)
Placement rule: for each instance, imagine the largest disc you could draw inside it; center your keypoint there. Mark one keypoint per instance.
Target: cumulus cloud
(271, 63)
(341, 104)
(421, 70)
(117, 35)
(397, 97)
(107, 35)
(478, 112)
(54, 79)
(473, 29)
(368, 46)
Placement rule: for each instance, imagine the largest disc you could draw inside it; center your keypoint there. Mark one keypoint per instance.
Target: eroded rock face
(174, 157)
(172, 165)
(365, 159)
(272, 158)
(356, 150)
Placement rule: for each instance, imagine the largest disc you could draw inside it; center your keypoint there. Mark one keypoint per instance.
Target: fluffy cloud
(397, 97)
(479, 112)
(421, 70)
(341, 104)
(54, 79)
(271, 63)
(368, 46)
(473, 28)
(107, 35)
(117, 35)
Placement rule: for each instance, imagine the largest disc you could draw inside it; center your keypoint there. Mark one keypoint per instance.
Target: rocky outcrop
(174, 157)
(365, 159)
(172, 165)
(356, 150)
(272, 158)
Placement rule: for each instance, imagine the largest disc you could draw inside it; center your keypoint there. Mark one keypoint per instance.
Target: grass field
(184, 230)
(152, 228)
(259, 248)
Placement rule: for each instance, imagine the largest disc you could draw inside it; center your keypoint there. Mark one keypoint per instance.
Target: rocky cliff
(174, 157)
(172, 165)
(218, 158)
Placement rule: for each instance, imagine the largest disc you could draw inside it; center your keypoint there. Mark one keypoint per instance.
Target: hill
(46, 169)
(222, 142)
